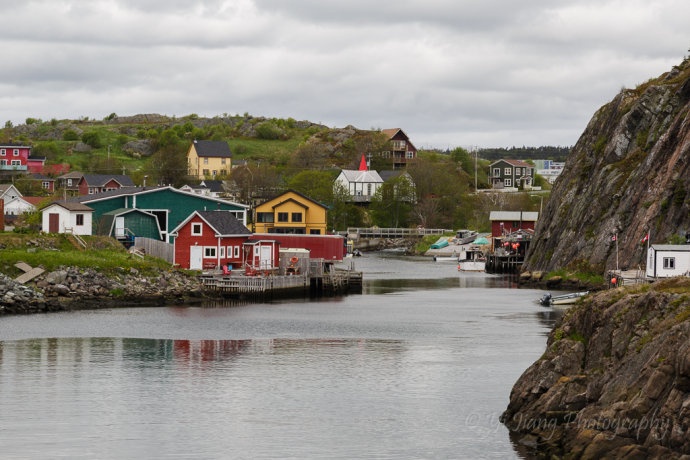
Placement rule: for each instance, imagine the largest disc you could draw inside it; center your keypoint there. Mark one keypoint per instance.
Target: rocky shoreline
(614, 381)
(72, 288)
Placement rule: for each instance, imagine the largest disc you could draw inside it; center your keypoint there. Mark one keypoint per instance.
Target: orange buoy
(614, 281)
(294, 260)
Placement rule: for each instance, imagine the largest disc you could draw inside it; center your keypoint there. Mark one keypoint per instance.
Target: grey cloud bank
(450, 73)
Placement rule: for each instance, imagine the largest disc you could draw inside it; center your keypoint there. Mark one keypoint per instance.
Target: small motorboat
(563, 299)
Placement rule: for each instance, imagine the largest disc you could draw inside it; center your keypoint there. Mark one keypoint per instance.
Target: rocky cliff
(628, 174)
(614, 381)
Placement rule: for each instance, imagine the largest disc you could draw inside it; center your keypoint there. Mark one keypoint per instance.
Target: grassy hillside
(104, 254)
(279, 154)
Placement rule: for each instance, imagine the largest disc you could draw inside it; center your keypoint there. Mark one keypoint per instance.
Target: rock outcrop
(628, 174)
(614, 381)
(71, 288)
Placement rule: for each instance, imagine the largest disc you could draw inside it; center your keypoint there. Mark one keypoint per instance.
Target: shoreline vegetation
(102, 275)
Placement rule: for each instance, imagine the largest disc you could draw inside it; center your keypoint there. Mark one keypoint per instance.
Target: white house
(668, 260)
(9, 192)
(20, 205)
(67, 217)
(361, 185)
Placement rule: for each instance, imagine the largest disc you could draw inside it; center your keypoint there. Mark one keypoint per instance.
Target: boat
(453, 258)
(475, 265)
(563, 299)
(465, 236)
(474, 260)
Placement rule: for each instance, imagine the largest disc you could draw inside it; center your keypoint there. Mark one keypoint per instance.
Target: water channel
(419, 366)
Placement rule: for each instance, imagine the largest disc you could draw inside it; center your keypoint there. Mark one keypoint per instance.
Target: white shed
(67, 217)
(668, 260)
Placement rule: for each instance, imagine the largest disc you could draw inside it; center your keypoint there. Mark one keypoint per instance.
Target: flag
(646, 238)
(614, 237)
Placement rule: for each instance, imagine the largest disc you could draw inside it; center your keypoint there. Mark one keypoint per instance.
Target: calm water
(419, 366)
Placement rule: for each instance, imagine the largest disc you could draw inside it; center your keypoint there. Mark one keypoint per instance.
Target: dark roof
(390, 174)
(224, 222)
(99, 180)
(70, 205)
(212, 185)
(219, 149)
(39, 176)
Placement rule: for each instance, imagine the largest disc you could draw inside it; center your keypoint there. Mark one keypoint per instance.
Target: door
(266, 257)
(119, 227)
(196, 257)
(53, 223)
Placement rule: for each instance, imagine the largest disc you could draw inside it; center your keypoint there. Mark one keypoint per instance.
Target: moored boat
(476, 265)
(563, 299)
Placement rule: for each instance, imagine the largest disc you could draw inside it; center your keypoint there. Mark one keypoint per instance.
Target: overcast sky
(485, 73)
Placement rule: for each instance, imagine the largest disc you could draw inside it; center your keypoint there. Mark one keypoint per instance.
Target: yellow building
(209, 160)
(291, 212)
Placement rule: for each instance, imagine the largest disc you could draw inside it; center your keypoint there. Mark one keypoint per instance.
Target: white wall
(67, 220)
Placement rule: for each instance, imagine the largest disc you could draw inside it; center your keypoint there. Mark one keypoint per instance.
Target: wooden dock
(262, 288)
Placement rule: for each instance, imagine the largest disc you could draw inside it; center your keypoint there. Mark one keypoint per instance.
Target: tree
(342, 213)
(317, 185)
(310, 155)
(168, 165)
(392, 203)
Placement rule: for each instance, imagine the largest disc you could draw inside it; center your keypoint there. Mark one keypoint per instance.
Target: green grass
(103, 254)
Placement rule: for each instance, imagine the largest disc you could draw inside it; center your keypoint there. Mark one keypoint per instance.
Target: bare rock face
(614, 381)
(628, 174)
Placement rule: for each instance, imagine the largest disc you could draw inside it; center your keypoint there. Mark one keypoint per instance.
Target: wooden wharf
(267, 287)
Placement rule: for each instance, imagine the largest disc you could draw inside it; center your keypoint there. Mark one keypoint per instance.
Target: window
(205, 161)
(16, 162)
(508, 183)
(237, 251)
(369, 189)
(518, 171)
(507, 172)
(222, 251)
(264, 217)
(3, 152)
(297, 217)
(314, 231)
(69, 182)
(410, 155)
(45, 184)
(197, 229)
(209, 252)
(15, 152)
(205, 171)
(222, 161)
(669, 263)
(282, 217)
(497, 172)
(80, 219)
(3, 162)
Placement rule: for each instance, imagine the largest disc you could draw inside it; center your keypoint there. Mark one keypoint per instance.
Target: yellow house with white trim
(209, 160)
(291, 212)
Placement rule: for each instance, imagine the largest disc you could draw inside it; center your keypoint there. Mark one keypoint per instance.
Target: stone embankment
(73, 288)
(614, 381)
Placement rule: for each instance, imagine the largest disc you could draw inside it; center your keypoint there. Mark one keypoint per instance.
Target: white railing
(374, 232)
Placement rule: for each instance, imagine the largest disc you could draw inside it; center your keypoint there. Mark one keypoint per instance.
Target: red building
(330, 248)
(506, 222)
(211, 239)
(14, 157)
(90, 184)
